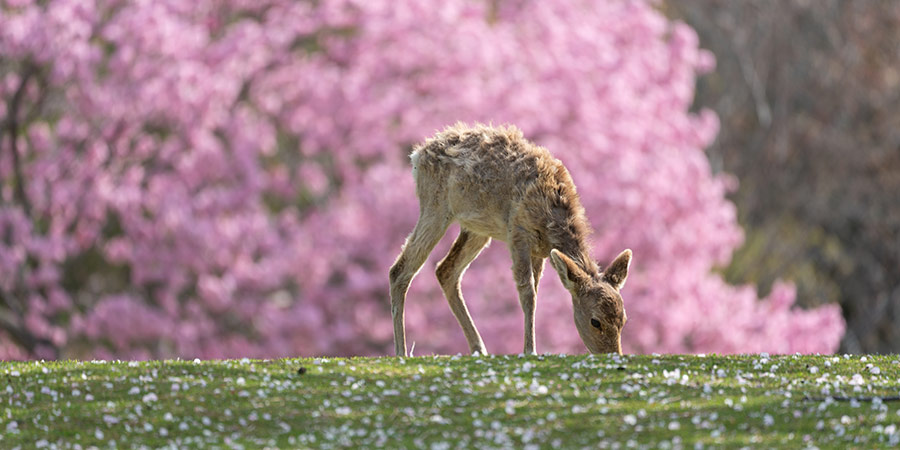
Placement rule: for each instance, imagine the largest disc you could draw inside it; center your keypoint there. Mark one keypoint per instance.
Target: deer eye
(595, 323)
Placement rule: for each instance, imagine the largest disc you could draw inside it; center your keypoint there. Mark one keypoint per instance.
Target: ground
(443, 402)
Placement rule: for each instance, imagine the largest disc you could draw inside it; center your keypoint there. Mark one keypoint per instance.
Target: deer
(498, 185)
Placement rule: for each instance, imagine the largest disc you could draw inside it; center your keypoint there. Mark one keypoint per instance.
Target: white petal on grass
(538, 389)
(110, 420)
(437, 418)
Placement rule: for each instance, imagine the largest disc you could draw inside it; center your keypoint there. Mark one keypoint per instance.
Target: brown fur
(498, 185)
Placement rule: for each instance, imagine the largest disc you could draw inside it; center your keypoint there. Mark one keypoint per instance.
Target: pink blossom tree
(229, 178)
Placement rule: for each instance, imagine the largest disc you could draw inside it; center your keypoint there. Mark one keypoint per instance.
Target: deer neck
(569, 234)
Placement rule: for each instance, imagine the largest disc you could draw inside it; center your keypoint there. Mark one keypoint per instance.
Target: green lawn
(542, 401)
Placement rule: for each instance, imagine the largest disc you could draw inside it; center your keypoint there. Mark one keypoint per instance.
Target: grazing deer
(498, 185)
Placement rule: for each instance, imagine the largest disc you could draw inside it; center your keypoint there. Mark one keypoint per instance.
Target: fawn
(498, 185)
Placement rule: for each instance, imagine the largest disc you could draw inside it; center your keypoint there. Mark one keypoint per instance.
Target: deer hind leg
(449, 273)
(524, 276)
(428, 231)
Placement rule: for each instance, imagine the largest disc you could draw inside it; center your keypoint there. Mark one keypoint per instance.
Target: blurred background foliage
(808, 94)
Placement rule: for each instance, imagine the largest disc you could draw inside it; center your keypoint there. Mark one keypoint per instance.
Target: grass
(512, 401)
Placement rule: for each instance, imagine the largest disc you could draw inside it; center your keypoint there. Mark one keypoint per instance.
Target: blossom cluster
(229, 178)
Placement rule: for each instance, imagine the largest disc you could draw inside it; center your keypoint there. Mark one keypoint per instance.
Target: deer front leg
(537, 268)
(523, 274)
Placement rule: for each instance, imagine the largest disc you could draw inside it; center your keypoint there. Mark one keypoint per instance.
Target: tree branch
(11, 321)
(12, 123)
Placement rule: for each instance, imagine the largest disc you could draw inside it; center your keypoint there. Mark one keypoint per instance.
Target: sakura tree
(229, 178)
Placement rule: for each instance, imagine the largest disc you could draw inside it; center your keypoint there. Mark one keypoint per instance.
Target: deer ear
(569, 272)
(617, 271)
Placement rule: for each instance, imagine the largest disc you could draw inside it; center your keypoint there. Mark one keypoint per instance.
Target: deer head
(599, 311)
